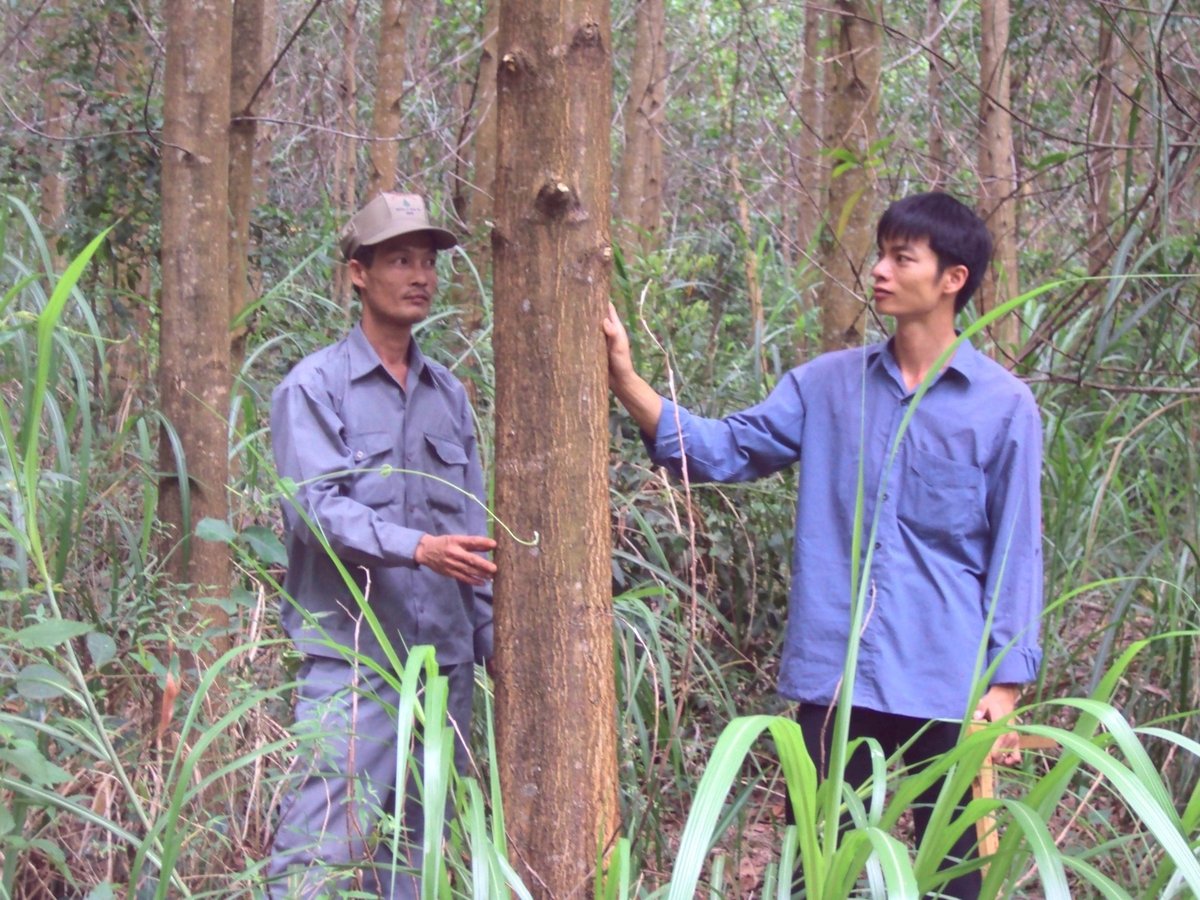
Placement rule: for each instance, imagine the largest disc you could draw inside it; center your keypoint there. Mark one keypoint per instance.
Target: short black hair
(365, 255)
(956, 235)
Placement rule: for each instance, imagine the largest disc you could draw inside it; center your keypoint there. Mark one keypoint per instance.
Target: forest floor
(751, 846)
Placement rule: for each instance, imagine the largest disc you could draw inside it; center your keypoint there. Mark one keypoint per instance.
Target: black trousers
(892, 732)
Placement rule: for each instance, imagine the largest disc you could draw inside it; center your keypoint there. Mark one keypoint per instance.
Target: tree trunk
(251, 55)
(52, 195)
(555, 695)
(418, 16)
(345, 154)
(849, 236)
(1100, 159)
(758, 320)
(194, 373)
(998, 172)
(640, 193)
(937, 137)
(389, 89)
(475, 188)
(808, 140)
(804, 151)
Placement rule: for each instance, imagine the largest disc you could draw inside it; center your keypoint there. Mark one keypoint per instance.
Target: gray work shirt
(375, 468)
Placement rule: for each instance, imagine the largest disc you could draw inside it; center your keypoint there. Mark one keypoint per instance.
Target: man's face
(397, 288)
(908, 284)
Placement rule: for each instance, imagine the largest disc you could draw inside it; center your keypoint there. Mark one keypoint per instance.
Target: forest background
(175, 173)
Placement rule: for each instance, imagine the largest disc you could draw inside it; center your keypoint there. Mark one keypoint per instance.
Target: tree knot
(587, 35)
(556, 199)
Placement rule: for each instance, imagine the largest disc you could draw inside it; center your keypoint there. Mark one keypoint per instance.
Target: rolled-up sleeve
(310, 449)
(1014, 585)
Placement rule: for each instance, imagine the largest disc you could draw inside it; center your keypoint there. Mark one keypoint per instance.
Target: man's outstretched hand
(457, 556)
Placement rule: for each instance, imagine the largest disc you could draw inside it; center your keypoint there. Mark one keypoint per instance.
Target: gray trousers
(346, 778)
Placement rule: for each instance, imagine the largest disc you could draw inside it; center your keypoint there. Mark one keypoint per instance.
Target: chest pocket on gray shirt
(942, 500)
(448, 461)
(369, 454)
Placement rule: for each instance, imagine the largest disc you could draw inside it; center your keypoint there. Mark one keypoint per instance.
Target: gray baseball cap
(387, 216)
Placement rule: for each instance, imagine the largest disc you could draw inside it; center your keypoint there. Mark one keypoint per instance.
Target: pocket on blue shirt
(370, 485)
(448, 461)
(943, 502)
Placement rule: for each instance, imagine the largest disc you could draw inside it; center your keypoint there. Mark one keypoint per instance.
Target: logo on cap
(387, 216)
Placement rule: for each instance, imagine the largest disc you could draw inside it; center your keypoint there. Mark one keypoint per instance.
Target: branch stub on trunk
(556, 199)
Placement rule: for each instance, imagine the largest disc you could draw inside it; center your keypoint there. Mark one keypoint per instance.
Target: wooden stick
(984, 786)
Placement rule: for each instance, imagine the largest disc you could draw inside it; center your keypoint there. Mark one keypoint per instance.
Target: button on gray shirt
(375, 468)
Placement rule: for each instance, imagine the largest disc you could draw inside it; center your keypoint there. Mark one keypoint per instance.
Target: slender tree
(475, 182)
(474, 193)
(555, 696)
(194, 375)
(803, 217)
(997, 169)
(345, 154)
(251, 57)
(389, 87)
(937, 135)
(640, 191)
(52, 195)
(851, 110)
(808, 135)
(1100, 160)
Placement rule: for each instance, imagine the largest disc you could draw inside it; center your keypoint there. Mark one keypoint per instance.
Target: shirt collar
(364, 359)
(966, 360)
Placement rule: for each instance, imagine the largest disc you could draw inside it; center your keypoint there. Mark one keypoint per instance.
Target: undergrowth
(127, 767)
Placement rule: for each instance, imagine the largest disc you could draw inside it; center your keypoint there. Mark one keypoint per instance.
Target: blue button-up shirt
(958, 532)
(341, 427)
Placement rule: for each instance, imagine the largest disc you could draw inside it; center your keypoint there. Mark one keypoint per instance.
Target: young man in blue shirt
(356, 426)
(956, 563)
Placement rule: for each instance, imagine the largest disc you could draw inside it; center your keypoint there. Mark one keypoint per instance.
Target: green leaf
(25, 757)
(1050, 159)
(103, 891)
(217, 530)
(265, 545)
(895, 862)
(41, 682)
(50, 633)
(101, 647)
(7, 823)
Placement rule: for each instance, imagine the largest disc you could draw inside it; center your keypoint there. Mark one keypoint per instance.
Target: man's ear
(357, 273)
(953, 278)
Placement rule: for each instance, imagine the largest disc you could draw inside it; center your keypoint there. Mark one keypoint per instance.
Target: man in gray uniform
(380, 442)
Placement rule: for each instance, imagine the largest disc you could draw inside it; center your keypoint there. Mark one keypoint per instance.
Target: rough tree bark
(998, 171)
(389, 88)
(640, 190)
(1101, 156)
(52, 194)
(250, 55)
(808, 139)
(852, 109)
(803, 217)
(555, 695)
(345, 154)
(475, 187)
(418, 16)
(937, 137)
(194, 375)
